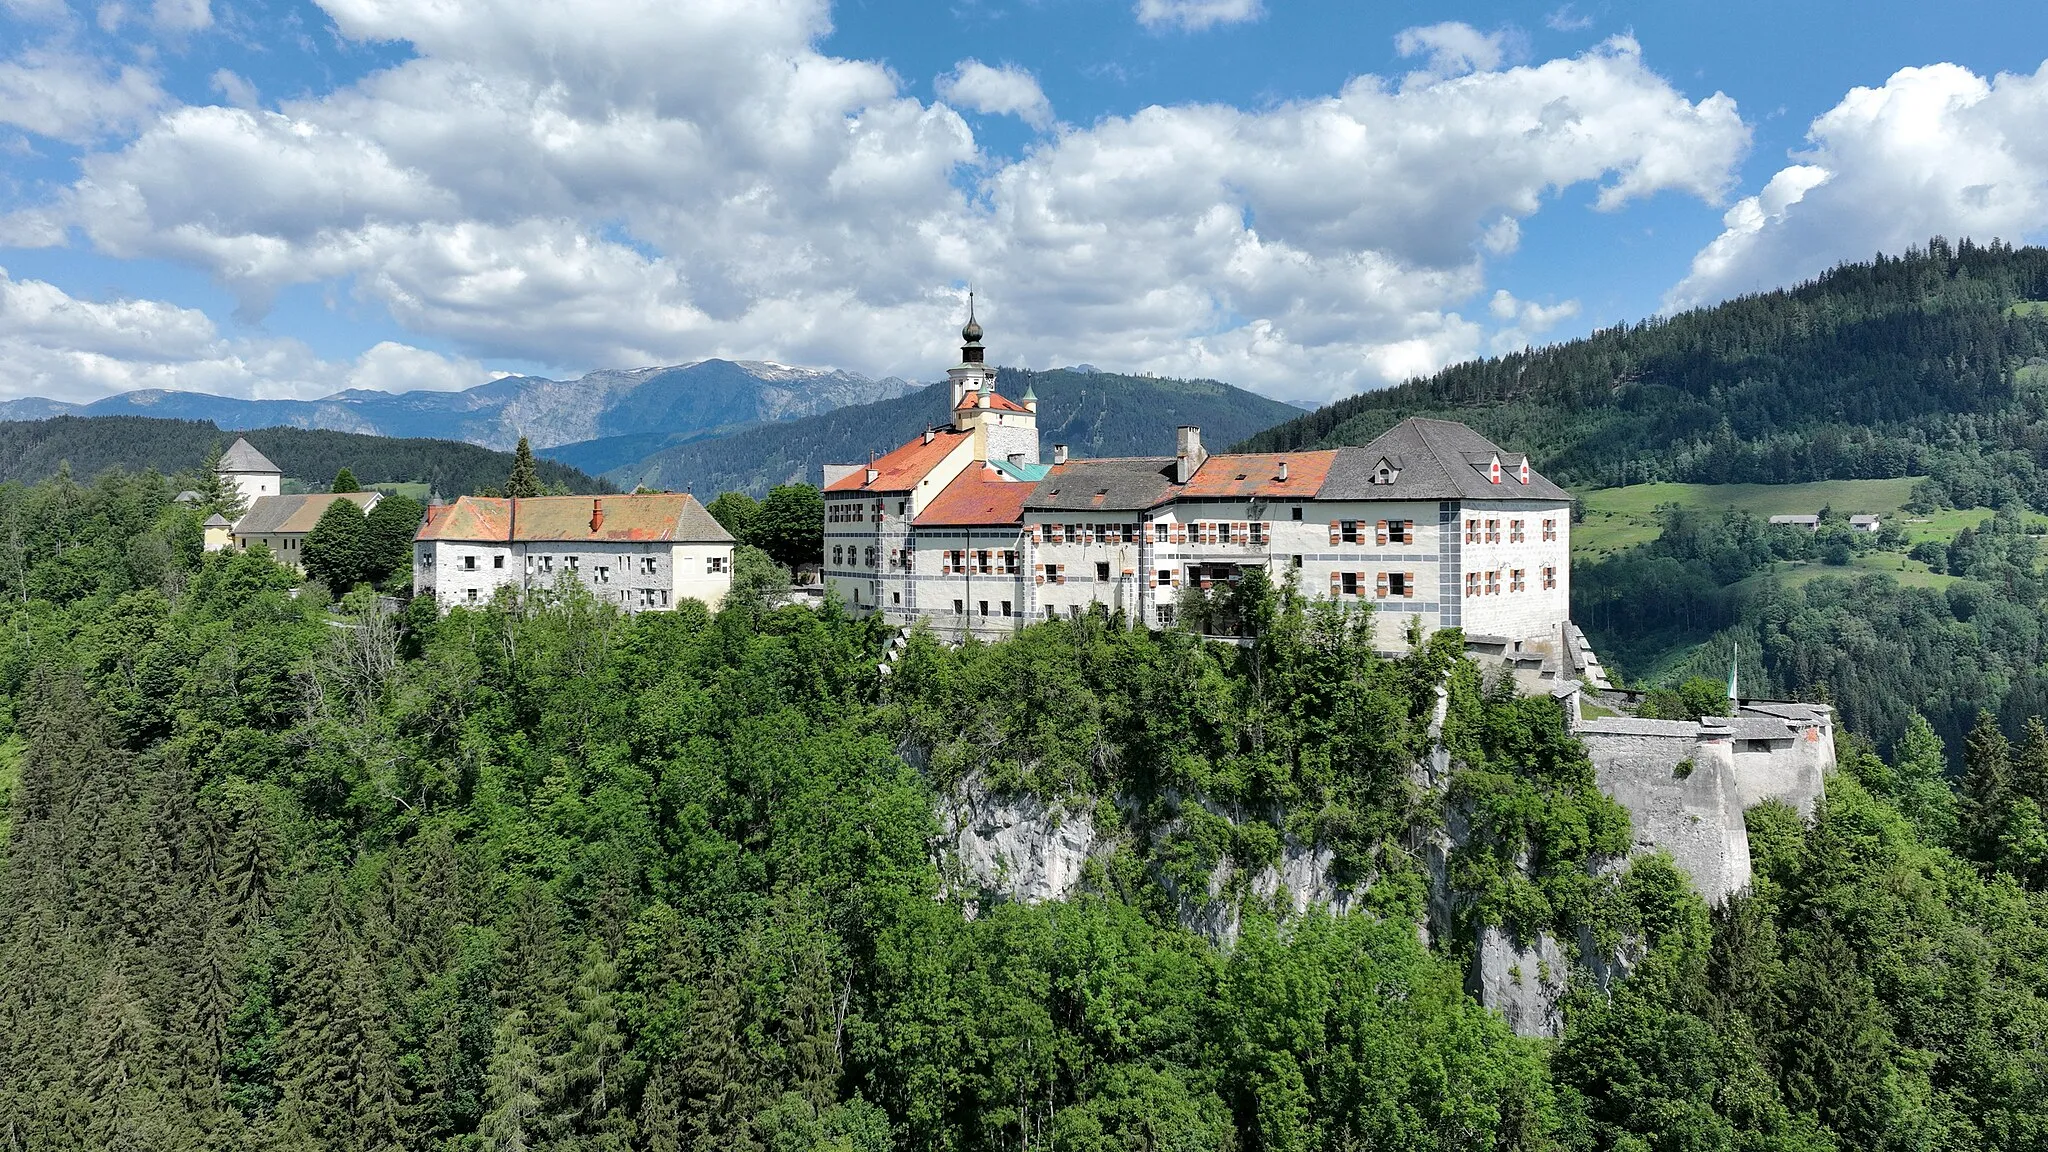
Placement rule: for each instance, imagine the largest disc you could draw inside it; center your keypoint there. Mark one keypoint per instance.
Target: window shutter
(1380, 534)
(1336, 585)
(1038, 573)
(1408, 585)
(1063, 572)
(1336, 532)
(1380, 586)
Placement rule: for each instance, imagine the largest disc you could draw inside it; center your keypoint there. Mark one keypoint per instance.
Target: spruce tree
(345, 481)
(525, 479)
(1987, 789)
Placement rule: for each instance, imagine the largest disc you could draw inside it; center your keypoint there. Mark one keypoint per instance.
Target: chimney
(986, 391)
(1188, 453)
(596, 514)
(929, 433)
(1283, 471)
(1059, 454)
(872, 473)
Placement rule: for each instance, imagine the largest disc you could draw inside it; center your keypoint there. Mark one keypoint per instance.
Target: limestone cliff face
(1685, 784)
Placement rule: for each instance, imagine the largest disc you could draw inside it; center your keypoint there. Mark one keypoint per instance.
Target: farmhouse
(966, 527)
(642, 552)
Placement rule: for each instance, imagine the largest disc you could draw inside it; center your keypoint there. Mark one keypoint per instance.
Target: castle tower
(1004, 430)
(250, 472)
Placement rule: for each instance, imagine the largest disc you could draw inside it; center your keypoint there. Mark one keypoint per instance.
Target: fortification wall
(1681, 793)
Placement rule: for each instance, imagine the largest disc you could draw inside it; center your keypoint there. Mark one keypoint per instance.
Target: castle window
(1471, 583)
(1549, 576)
(959, 607)
(1159, 531)
(838, 554)
(1471, 531)
(604, 573)
(1006, 608)
(1550, 529)
(1348, 531)
(1397, 584)
(647, 565)
(469, 563)
(983, 604)
(1493, 583)
(1297, 514)
(1517, 581)
(1163, 579)
(1348, 583)
(1515, 533)
(497, 561)
(1165, 613)
(1756, 745)
(1102, 571)
(472, 595)
(714, 565)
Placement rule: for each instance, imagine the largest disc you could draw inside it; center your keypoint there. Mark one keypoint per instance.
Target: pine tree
(1920, 781)
(345, 481)
(1987, 789)
(595, 1070)
(525, 479)
(514, 1122)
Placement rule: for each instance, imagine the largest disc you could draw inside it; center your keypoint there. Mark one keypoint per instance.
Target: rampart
(1686, 783)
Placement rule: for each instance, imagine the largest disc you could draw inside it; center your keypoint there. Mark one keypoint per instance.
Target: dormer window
(1493, 470)
(1522, 473)
(1385, 473)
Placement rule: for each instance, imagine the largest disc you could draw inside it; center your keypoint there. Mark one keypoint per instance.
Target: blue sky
(1303, 198)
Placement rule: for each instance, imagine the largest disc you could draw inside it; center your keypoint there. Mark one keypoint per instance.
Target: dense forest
(1882, 651)
(281, 872)
(1921, 364)
(33, 449)
(1094, 413)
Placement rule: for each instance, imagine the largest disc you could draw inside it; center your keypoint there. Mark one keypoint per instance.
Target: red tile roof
(902, 469)
(977, 496)
(1258, 475)
(650, 517)
(996, 400)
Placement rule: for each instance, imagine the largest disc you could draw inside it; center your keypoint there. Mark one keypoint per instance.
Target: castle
(966, 527)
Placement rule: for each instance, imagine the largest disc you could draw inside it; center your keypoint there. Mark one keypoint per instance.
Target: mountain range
(690, 399)
(1094, 413)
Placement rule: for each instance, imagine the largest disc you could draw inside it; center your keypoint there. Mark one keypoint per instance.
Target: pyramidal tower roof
(244, 457)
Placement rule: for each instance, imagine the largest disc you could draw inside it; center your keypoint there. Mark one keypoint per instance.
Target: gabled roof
(287, 515)
(900, 470)
(218, 521)
(243, 457)
(658, 517)
(1437, 460)
(1257, 475)
(995, 400)
(1127, 484)
(977, 496)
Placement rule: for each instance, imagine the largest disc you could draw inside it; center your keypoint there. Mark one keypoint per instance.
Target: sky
(1303, 197)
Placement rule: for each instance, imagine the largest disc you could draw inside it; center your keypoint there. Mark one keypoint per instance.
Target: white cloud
(1005, 91)
(1567, 18)
(235, 89)
(1195, 15)
(56, 345)
(181, 15)
(1453, 48)
(53, 92)
(1935, 151)
(629, 182)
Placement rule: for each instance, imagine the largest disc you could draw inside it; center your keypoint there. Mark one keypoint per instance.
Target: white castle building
(643, 552)
(1431, 522)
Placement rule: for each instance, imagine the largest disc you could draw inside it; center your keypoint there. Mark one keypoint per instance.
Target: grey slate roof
(1128, 484)
(1436, 460)
(218, 521)
(243, 457)
(273, 515)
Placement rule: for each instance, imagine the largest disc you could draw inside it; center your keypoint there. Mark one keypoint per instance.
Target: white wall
(635, 576)
(1127, 589)
(1535, 612)
(254, 484)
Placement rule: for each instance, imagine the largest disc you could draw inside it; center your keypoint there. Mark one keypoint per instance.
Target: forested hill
(1094, 413)
(1931, 362)
(32, 449)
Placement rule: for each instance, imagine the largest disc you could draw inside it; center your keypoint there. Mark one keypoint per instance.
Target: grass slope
(31, 450)
(1094, 413)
